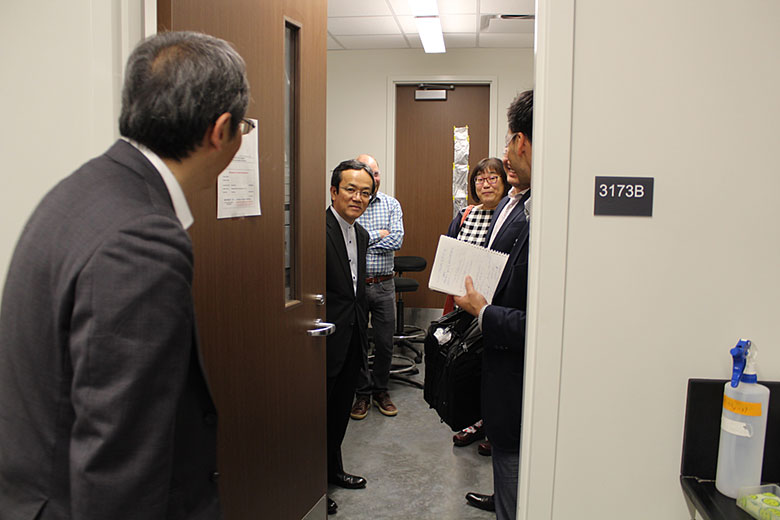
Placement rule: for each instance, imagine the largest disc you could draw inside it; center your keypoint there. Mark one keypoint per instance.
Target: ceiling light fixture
(426, 17)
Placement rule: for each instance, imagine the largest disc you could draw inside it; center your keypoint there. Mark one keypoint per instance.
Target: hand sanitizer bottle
(743, 424)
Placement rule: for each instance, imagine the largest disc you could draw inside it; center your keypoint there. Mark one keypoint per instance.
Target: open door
(257, 279)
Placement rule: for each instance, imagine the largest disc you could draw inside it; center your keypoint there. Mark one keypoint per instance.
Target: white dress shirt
(514, 195)
(180, 205)
(527, 212)
(350, 240)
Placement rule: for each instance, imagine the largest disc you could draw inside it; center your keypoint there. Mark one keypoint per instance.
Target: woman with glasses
(487, 185)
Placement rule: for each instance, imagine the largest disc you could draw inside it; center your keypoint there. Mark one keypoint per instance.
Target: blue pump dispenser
(742, 354)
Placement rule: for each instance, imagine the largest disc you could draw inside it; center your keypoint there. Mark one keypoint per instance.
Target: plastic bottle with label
(743, 424)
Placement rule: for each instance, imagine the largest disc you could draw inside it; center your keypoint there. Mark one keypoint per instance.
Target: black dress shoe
(348, 481)
(484, 502)
(332, 507)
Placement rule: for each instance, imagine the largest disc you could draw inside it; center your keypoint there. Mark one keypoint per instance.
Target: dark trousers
(381, 305)
(506, 465)
(341, 389)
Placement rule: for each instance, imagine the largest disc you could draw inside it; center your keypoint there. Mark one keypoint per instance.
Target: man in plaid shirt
(383, 219)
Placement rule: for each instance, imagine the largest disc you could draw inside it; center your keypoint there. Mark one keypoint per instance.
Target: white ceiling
(389, 24)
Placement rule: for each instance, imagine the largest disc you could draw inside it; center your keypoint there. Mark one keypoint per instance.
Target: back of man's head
(369, 161)
(520, 115)
(176, 85)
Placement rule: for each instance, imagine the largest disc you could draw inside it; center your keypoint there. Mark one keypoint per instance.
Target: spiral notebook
(455, 259)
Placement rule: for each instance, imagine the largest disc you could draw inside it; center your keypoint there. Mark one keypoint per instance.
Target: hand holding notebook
(455, 259)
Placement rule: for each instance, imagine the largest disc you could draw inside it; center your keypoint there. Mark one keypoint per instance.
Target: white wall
(685, 93)
(62, 64)
(358, 94)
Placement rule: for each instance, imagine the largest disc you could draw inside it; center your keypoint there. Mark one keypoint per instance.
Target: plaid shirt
(383, 212)
(474, 228)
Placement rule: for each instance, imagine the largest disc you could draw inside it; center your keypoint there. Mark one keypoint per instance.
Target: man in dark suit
(105, 412)
(351, 187)
(503, 321)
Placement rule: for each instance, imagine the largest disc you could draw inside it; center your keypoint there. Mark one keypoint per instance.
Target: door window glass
(290, 163)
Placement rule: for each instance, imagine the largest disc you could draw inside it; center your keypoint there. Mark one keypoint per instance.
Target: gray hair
(176, 85)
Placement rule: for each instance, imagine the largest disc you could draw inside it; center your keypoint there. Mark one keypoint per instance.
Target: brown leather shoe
(385, 405)
(360, 408)
(469, 434)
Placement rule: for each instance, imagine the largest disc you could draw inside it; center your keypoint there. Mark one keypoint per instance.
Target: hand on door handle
(323, 328)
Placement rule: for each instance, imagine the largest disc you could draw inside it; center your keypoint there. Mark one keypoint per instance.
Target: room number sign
(625, 196)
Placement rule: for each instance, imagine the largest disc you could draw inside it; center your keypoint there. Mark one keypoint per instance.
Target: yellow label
(741, 407)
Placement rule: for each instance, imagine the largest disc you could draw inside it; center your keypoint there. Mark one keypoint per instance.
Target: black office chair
(406, 335)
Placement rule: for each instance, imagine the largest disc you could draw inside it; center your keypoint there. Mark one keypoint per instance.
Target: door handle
(323, 328)
(319, 299)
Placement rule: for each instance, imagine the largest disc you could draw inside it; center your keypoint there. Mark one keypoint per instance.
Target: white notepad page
(455, 259)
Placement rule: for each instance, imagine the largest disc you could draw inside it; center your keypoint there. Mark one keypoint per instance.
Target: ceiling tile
(364, 25)
(458, 23)
(457, 7)
(376, 24)
(506, 40)
(454, 23)
(401, 7)
(373, 42)
(333, 45)
(455, 41)
(407, 24)
(415, 42)
(358, 8)
(505, 6)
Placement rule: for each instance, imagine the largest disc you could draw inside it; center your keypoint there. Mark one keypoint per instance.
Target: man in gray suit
(105, 412)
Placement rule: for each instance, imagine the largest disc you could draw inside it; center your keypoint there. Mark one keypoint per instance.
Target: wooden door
(267, 374)
(423, 169)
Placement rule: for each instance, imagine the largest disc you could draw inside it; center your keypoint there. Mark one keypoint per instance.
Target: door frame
(392, 81)
(547, 256)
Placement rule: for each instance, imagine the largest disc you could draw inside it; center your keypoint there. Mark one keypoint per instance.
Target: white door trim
(549, 230)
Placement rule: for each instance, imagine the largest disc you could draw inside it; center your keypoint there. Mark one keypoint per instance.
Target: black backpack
(453, 369)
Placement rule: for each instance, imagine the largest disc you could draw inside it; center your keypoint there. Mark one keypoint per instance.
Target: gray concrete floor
(414, 471)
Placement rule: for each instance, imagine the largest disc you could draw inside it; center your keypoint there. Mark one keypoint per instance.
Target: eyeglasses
(510, 138)
(491, 180)
(351, 191)
(245, 126)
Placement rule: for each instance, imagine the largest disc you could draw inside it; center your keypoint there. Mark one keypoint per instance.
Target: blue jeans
(381, 306)
(506, 465)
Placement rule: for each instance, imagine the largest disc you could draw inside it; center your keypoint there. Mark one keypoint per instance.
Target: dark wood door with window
(257, 278)
(423, 169)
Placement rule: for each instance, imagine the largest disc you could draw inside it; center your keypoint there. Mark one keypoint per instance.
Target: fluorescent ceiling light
(426, 17)
(429, 28)
(424, 7)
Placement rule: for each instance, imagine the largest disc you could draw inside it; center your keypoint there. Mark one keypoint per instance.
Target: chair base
(410, 334)
(402, 367)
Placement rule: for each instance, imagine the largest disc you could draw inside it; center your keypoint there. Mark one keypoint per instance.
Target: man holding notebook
(503, 320)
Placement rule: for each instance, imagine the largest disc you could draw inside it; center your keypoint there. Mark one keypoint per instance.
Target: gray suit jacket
(104, 408)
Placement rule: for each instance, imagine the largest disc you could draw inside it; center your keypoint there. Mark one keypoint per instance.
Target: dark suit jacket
(503, 333)
(104, 408)
(343, 307)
